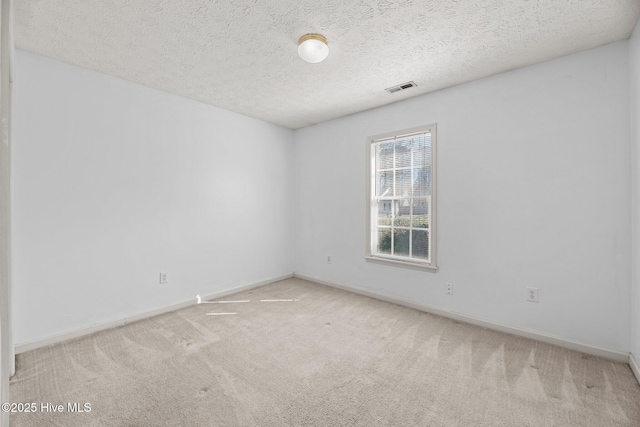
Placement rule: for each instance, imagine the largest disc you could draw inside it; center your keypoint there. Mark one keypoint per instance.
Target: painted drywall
(115, 182)
(7, 357)
(634, 91)
(533, 190)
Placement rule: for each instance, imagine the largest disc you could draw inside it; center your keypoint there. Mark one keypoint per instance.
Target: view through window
(402, 202)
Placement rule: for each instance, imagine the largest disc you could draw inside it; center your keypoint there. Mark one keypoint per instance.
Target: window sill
(403, 264)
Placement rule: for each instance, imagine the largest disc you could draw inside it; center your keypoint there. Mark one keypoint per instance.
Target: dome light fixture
(313, 48)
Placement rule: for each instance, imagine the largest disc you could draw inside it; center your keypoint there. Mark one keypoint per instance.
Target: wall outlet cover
(164, 277)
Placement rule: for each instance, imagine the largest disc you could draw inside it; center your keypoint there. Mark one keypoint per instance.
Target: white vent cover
(400, 87)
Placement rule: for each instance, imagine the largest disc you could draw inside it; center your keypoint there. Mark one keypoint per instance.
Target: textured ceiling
(241, 54)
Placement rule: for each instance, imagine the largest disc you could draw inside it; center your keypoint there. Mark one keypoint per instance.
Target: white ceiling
(241, 54)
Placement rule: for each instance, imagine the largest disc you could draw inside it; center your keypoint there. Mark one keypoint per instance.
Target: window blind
(401, 203)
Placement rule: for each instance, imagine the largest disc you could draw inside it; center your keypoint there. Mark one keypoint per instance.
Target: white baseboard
(634, 367)
(485, 323)
(21, 348)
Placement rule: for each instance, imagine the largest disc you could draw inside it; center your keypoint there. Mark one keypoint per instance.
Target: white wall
(7, 365)
(634, 83)
(534, 184)
(115, 182)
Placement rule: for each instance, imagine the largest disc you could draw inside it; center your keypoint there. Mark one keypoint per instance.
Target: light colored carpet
(329, 358)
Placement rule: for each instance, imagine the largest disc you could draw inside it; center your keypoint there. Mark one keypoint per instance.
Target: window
(401, 198)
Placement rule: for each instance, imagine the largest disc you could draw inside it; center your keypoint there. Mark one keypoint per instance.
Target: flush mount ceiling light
(313, 48)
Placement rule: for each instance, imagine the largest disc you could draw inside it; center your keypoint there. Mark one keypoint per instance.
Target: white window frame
(399, 261)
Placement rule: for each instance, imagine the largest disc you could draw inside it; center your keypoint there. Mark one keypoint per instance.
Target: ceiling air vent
(403, 86)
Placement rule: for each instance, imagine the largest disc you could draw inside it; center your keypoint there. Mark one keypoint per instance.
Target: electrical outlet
(532, 294)
(164, 277)
(449, 289)
(328, 259)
